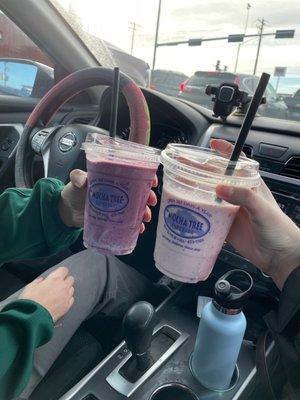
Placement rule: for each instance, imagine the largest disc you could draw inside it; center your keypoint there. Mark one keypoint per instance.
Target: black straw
(114, 104)
(247, 123)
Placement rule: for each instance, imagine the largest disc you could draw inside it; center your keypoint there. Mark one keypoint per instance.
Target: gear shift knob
(138, 325)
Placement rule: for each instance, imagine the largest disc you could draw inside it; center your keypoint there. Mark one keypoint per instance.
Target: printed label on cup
(107, 198)
(185, 222)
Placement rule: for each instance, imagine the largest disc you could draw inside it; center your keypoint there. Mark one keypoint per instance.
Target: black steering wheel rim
(65, 90)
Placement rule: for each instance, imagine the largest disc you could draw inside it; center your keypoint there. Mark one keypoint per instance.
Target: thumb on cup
(78, 178)
(239, 196)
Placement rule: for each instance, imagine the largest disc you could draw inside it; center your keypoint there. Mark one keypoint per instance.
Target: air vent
(248, 151)
(82, 120)
(292, 168)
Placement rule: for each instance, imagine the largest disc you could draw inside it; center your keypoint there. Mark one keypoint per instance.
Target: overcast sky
(183, 19)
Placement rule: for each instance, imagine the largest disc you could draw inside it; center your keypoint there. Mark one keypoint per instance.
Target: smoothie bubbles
(193, 223)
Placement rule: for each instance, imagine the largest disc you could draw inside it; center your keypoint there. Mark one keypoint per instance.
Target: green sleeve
(24, 326)
(30, 225)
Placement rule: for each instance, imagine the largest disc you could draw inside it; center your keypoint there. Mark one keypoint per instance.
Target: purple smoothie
(116, 200)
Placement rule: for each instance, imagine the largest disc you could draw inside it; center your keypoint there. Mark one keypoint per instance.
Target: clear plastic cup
(193, 223)
(120, 176)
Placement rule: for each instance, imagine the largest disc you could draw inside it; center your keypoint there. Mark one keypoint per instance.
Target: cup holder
(234, 379)
(172, 391)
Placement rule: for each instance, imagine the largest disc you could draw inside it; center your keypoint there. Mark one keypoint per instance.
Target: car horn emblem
(67, 142)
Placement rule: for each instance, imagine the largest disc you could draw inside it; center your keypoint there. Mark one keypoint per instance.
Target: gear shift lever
(138, 325)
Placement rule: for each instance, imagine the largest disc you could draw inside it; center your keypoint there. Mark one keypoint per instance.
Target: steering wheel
(60, 145)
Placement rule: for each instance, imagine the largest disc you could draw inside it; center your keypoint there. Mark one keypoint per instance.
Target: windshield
(198, 43)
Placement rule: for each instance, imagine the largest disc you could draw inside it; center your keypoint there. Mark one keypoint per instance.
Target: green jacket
(30, 227)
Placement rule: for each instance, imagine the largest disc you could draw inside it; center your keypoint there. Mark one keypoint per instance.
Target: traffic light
(195, 42)
(285, 34)
(218, 65)
(235, 38)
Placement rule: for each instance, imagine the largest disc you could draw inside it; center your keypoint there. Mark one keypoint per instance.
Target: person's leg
(101, 284)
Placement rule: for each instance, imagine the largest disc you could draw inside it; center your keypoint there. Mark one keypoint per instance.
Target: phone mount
(227, 97)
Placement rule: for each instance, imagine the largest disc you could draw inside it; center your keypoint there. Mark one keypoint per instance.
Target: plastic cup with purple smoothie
(120, 176)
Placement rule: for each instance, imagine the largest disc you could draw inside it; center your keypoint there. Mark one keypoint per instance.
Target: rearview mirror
(24, 78)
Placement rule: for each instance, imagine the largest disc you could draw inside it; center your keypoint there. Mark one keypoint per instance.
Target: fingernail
(80, 180)
(226, 191)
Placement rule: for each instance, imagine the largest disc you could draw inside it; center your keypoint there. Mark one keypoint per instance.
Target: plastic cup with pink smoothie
(193, 222)
(120, 176)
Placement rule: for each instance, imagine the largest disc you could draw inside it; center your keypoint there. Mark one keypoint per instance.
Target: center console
(127, 372)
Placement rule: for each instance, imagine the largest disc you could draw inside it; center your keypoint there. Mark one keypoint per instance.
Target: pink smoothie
(116, 199)
(190, 234)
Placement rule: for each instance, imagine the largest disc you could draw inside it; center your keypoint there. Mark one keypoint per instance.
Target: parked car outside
(293, 104)
(166, 81)
(194, 90)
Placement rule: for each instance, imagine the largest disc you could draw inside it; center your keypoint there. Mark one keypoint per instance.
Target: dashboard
(171, 120)
(162, 135)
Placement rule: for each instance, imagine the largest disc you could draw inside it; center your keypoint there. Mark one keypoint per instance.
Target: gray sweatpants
(101, 284)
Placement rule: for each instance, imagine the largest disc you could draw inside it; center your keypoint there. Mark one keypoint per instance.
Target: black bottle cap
(233, 289)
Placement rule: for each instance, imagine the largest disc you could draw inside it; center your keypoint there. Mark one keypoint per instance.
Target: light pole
(156, 34)
(245, 31)
(133, 26)
(260, 33)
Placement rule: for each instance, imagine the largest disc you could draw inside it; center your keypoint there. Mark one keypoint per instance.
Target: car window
(270, 91)
(159, 77)
(173, 79)
(170, 79)
(297, 94)
(177, 78)
(25, 70)
(249, 84)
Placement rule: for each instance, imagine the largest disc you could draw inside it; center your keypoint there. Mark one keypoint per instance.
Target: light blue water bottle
(221, 331)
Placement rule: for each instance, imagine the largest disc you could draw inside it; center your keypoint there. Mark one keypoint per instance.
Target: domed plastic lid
(100, 146)
(198, 165)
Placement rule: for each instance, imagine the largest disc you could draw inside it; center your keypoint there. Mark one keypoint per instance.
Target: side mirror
(24, 78)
